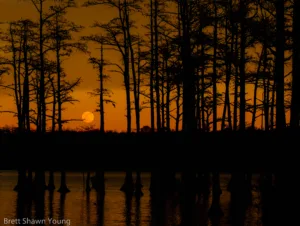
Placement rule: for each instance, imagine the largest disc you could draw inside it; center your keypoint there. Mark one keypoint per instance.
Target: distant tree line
(203, 64)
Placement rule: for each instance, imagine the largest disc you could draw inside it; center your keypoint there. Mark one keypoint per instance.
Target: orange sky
(77, 66)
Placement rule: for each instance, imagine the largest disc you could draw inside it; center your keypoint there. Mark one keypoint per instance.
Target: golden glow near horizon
(87, 117)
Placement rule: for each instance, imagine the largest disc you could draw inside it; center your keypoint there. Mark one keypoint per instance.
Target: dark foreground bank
(249, 150)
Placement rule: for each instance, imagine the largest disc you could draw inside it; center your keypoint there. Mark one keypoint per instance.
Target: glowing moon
(87, 117)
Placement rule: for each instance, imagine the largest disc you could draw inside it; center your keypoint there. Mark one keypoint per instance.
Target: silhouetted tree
(279, 64)
(103, 93)
(295, 105)
(61, 30)
(44, 18)
(20, 46)
(118, 35)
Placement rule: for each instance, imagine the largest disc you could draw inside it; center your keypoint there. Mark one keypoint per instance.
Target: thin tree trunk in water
(224, 112)
(151, 68)
(227, 82)
(204, 125)
(101, 80)
(25, 109)
(58, 71)
(134, 78)
(51, 185)
(53, 106)
(19, 89)
(178, 89)
(198, 109)
(242, 68)
(126, 70)
(168, 102)
(158, 119)
(178, 81)
(279, 65)
(273, 106)
(236, 85)
(207, 122)
(42, 71)
(63, 183)
(128, 102)
(139, 81)
(256, 88)
(295, 104)
(168, 93)
(266, 105)
(189, 120)
(38, 116)
(162, 105)
(214, 78)
(266, 84)
(15, 78)
(128, 186)
(230, 67)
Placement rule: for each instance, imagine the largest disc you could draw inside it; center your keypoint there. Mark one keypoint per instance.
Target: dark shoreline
(222, 151)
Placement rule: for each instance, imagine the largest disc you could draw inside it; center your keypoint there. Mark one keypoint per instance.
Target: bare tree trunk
(139, 82)
(162, 105)
(272, 116)
(256, 87)
(214, 74)
(151, 68)
(178, 89)
(156, 62)
(168, 101)
(178, 82)
(25, 109)
(204, 125)
(101, 102)
(19, 89)
(15, 78)
(266, 84)
(42, 101)
(242, 68)
(236, 85)
(228, 63)
(53, 106)
(58, 71)
(132, 60)
(266, 105)
(198, 99)
(295, 104)
(279, 65)
(126, 69)
(189, 120)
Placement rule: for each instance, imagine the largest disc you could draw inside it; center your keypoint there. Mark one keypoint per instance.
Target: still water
(78, 208)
